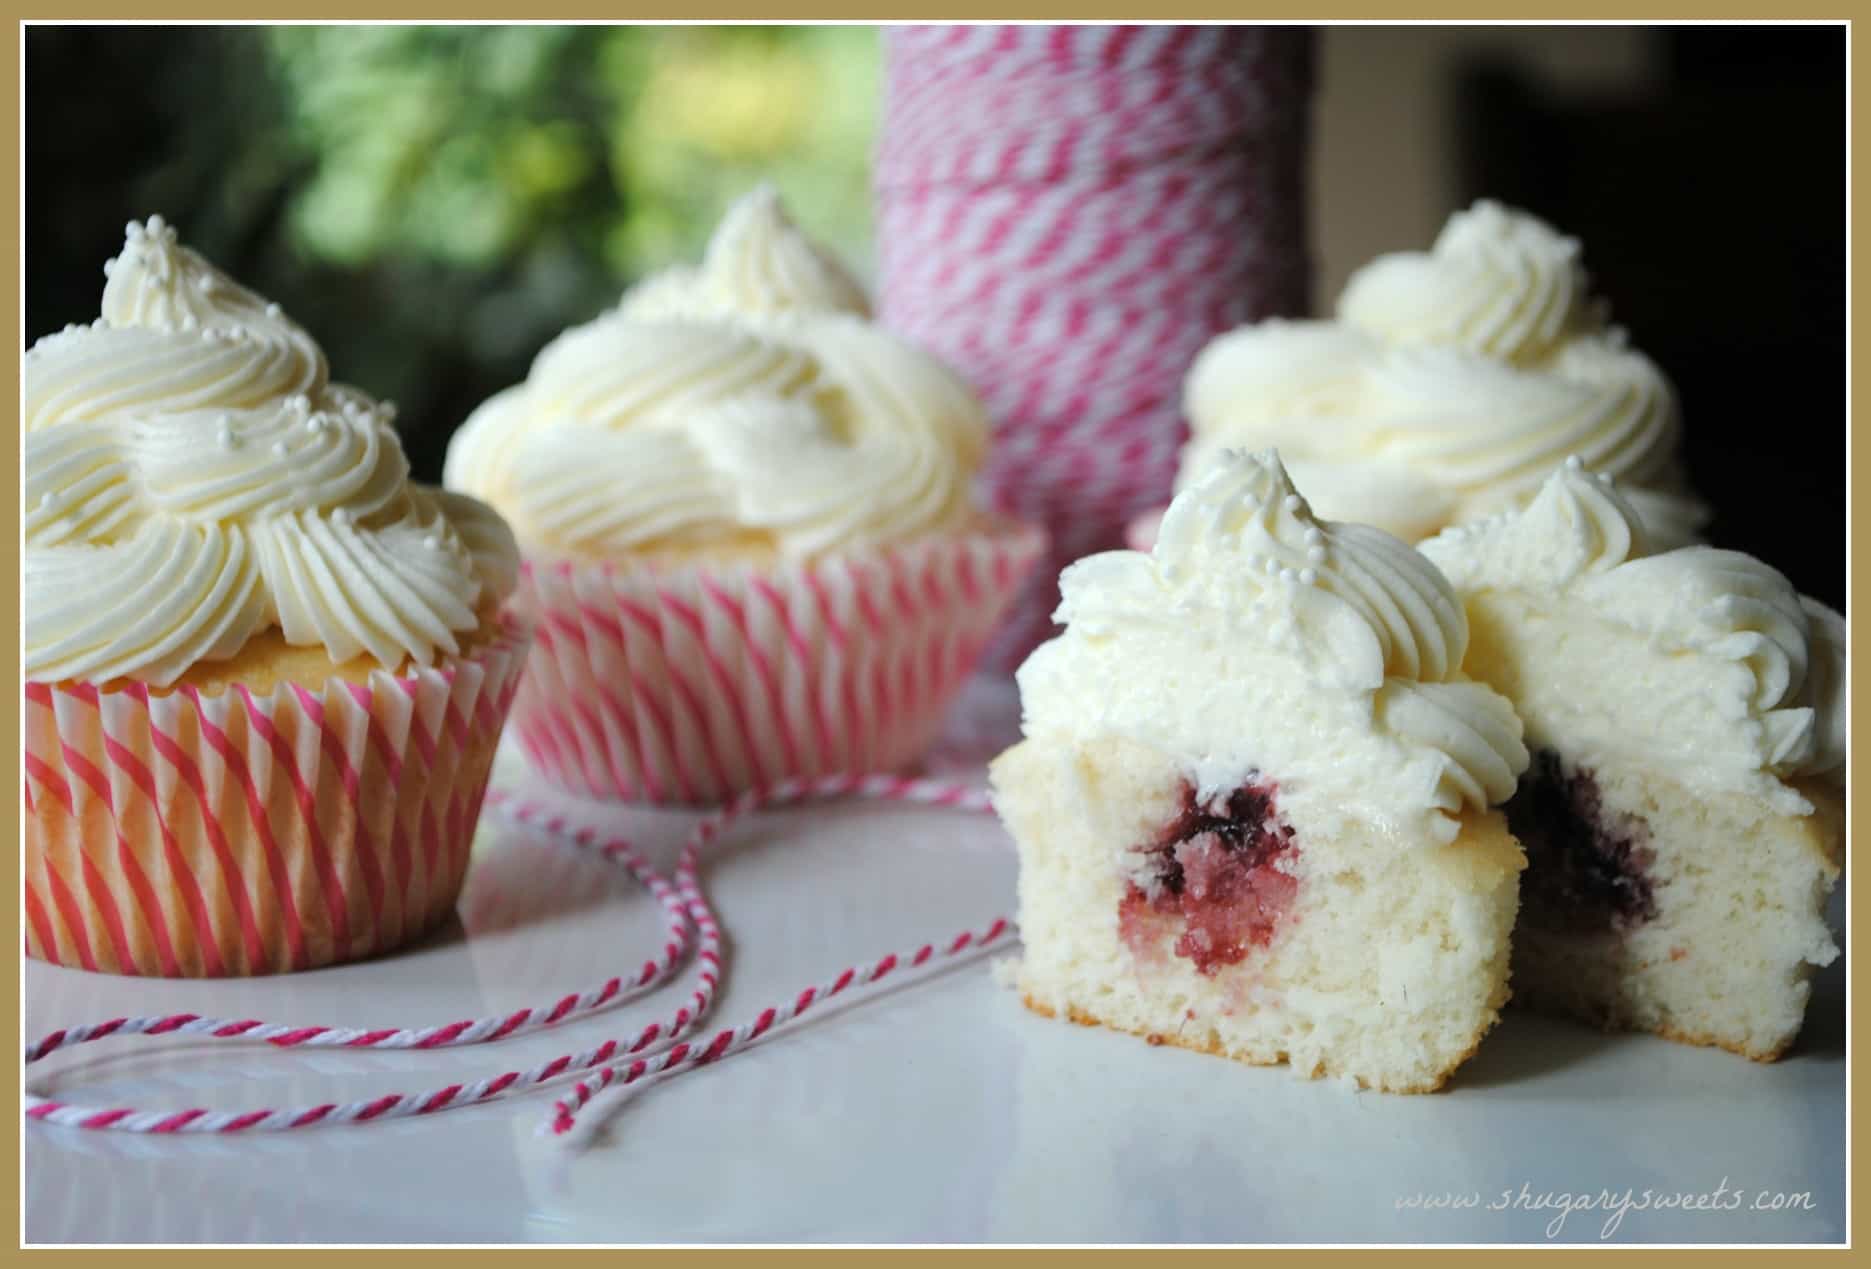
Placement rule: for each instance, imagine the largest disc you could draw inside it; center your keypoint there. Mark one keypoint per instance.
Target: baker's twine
(1066, 214)
(660, 1050)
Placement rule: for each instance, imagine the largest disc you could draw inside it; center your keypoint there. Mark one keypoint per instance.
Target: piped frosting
(1720, 671)
(1451, 384)
(746, 402)
(193, 477)
(1257, 637)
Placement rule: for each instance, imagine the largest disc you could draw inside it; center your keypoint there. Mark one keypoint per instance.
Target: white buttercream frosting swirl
(192, 477)
(1451, 384)
(1704, 662)
(1258, 637)
(747, 402)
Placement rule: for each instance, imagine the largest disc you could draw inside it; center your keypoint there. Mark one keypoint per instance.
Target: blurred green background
(472, 189)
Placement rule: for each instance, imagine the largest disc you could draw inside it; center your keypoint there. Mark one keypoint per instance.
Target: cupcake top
(746, 404)
(1256, 636)
(1703, 662)
(193, 478)
(1451, 384)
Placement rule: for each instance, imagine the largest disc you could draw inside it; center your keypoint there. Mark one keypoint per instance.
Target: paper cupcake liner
(689, 685)
(193, 835)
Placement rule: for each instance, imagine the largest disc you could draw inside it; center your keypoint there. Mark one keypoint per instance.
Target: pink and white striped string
(1067, 214)
(659, 1050)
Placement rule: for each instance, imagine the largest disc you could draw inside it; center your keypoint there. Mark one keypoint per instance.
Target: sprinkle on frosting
(1258, 636)
(1449, 386)
(747, 401)
(193, 477)
(1726, 675)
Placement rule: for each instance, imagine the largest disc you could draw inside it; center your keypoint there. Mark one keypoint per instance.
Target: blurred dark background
(1712, 208)
(435, 203)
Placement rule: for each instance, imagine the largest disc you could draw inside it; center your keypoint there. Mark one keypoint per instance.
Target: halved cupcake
(1253, 804)
(265, 673)
(1683, 815)
(750, 541)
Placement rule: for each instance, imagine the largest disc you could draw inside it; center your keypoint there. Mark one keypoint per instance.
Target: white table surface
(944, 1112)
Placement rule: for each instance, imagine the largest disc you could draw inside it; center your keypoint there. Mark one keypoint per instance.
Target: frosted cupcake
(750, 542)
(1256, 799)
(1684, 814)
(264, 673)
(1450, 386)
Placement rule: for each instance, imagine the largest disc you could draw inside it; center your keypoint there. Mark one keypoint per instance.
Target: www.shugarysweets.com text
(1609, 1207)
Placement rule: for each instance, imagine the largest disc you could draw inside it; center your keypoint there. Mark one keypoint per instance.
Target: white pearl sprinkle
(1574, 462)
(1314, 537)
(1293, 502)
(340, 516)
(272, 310)
(205, 284)
(432, 542)
(1316, 555)
(281, 448)
(1307, 576)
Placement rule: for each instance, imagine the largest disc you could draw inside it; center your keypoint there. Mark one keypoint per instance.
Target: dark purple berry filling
(1221, 871)
(1587, 870)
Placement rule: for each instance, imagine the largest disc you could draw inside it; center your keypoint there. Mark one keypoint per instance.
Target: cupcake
(1450, 386)
(1683, 815)
(750, 546)
(264, 673)
(1255, 804)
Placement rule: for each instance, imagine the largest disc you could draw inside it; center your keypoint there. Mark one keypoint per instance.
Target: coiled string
(1067, 214)
(660, 1049)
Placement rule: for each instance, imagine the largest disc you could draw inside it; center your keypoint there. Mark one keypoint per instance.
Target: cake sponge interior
(1356, 953)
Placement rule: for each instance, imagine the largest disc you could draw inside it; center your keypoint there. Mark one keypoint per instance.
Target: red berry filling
(1221, 871)
(1587, 870)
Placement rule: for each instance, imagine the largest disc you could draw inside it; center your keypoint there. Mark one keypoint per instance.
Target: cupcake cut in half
(1683, 814)
(265, 673)
(751, 546)
(1253, 799)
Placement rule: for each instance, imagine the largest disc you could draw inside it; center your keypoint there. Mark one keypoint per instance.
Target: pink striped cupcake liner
(182, 833)
(691, 684)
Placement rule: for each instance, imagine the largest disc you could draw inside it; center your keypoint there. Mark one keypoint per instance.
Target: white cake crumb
(1006, 972)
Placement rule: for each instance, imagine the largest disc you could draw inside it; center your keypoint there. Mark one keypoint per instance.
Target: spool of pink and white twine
(658, 1050)
(1066, 214)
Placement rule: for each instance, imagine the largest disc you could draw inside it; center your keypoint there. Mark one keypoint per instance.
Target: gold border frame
(1605, 11)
